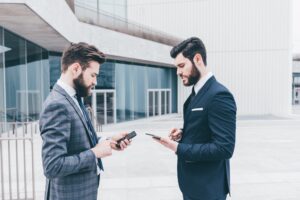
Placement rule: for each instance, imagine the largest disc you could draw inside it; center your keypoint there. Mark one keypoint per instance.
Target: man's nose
(179, 72)
(95, 81)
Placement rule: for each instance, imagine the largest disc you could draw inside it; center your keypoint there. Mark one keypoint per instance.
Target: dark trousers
(188, 198)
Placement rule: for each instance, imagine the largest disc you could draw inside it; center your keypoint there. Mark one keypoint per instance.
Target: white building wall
(59, 16)
(248, 44)
(296, 66)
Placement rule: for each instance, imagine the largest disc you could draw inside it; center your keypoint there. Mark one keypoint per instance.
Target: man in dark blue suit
(206, 142)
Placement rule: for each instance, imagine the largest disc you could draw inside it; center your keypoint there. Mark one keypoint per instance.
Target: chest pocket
(197, 113)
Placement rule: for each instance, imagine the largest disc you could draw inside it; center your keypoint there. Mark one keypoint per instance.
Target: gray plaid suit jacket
(69, 164)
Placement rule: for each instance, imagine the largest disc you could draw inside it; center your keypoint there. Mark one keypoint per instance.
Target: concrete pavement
(265, 164)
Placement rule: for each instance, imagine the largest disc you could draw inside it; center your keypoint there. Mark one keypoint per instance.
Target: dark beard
(81, 89)
(195, 76)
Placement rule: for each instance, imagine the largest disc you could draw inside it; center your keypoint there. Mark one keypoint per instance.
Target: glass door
(104, 108)
(158, 102)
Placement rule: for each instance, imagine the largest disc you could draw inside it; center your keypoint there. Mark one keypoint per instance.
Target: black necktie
(193, 94)
(92, 131)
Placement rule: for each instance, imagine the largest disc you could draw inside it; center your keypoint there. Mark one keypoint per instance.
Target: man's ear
(76, 69)
(198, 60)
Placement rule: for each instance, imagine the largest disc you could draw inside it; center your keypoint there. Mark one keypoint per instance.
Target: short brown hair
(82, 53)
(189, 48)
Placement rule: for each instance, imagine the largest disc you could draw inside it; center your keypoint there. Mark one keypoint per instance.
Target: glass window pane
(163, 104)
(100, 108)
(150, 106)
(120, 91)
(55, 68)
(45, 75)
(15, 69)
(140, 92)
(156, 103)
(34, 91)
(2, 88)
(106, 77)
(110, 107)
(168, 102)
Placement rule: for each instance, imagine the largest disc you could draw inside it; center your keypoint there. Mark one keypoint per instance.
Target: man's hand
(168, 143)
(123, 144)
(175, 134)
(102, 149)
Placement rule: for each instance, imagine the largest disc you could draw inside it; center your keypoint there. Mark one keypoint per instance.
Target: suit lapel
(71, 101)
(198, 96)
(186, 105)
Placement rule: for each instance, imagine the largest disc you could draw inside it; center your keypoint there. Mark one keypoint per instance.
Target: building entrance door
(158, 102)
(104, 106)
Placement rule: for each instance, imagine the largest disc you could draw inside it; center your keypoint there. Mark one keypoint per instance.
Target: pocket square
(197, 109)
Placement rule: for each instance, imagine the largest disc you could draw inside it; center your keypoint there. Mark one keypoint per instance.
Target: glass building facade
(125, 90)
(24, 72)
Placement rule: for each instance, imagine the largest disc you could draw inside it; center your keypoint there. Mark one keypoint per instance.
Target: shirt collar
(202, 81)
(69, 89)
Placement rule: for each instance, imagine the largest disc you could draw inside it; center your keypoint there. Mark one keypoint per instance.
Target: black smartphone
(128, 137)
(154, 136)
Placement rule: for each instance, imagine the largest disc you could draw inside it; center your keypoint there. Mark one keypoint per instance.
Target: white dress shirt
(201, 82)
(70, 91)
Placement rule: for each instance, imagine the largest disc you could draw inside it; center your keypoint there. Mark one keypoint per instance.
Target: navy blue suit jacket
(207, 143)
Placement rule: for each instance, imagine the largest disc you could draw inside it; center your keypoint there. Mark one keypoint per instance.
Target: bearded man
(206, 142)
(71, 150)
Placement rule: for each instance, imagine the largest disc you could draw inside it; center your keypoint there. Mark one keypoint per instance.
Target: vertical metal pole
(1, 161)
(147, 103)
(170, 101)
(105, 109)
(17, 165)
(9, 167)
(166, 103)
(153, 102)
(159, 102)
(32, 164)
(115, 106)
(24, 155)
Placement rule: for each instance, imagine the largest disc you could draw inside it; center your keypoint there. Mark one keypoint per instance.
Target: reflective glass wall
(55, 67)
(128, 84)
(133, 82)
(25, 75)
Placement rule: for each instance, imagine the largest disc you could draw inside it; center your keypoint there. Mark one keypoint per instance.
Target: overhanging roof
(53, 29)
(20, 19)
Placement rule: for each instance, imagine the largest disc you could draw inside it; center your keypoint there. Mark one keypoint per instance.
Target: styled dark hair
(189, 48)
(82, 53)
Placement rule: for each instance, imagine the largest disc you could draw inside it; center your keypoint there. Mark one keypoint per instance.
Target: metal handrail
(15, 139)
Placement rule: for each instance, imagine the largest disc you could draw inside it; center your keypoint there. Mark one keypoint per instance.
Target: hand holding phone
(153, 136)
(128, 137)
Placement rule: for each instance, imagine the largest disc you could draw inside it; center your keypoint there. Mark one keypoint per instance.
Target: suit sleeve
(55, 129)
(222, 123)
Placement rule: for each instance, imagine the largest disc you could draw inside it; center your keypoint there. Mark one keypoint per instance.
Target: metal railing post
(13, 137)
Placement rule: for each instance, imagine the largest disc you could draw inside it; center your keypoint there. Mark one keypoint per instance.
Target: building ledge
(22, 20)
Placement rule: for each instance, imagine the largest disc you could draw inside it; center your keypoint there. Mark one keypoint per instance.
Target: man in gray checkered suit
(71, 150)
